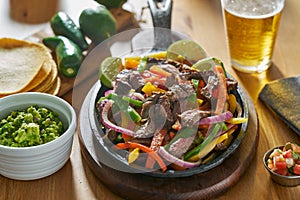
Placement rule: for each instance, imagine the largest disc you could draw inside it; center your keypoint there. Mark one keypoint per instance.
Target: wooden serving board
(125, 21)
(140, 186)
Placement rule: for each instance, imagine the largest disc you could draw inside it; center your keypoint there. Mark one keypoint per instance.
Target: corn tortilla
(54, 90)
(50, 79)
(20, 63)
(42, 75)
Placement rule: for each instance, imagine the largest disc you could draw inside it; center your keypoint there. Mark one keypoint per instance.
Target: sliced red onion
(138, 96)
(106, 93)
(172, 159)
(109, 124)
(216, 118)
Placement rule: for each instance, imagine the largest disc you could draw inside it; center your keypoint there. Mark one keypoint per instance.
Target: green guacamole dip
(30, 127)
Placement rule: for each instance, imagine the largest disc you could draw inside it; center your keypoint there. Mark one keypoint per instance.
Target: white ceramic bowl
(29, 163)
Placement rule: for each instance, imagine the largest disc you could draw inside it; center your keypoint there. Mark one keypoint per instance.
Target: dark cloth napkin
(283, 96)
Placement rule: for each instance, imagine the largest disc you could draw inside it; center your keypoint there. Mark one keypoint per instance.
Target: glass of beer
(251, 27)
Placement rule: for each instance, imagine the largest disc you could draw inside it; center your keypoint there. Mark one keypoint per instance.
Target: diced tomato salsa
(285, 161)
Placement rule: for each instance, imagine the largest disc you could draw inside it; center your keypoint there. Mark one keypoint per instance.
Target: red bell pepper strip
(222, 90)
(156, 142)
(146, 149)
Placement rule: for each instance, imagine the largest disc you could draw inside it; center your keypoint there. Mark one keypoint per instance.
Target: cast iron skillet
(117, 161)
(163, 37)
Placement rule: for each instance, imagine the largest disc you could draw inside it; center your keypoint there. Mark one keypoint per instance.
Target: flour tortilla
(20, 62)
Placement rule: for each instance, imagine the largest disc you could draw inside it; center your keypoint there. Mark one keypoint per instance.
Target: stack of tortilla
(26, 67)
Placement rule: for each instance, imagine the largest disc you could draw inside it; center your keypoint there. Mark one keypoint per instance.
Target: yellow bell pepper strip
(222, 138)
(131, 63)
(143, 64)
(159, 55)
(200, 102)
(214, 130)
(208, 148)
(232, 103)
(127, 123)
(228, 140)
(133, 155)
(156, 69)
(237, 120)
(149, 88)
(153, 154)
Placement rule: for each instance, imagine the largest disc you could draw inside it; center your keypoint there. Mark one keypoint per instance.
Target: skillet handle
(161, 11)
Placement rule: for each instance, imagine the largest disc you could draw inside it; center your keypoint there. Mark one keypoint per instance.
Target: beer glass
(251, 27)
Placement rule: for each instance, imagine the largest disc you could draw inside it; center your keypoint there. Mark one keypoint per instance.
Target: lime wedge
(186, 49)
(109, 69)
(208, 64)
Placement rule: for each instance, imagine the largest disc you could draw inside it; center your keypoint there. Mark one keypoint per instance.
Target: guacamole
(30, 127)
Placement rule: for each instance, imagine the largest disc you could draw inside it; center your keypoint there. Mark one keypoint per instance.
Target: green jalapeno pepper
(62, 24)
(68, 54)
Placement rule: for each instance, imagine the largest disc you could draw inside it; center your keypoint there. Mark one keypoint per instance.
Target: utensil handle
(161, 12)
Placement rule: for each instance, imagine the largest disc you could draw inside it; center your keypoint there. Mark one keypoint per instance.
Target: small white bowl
(30, 163)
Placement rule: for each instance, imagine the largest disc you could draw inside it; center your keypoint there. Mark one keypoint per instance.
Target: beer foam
(253, 9)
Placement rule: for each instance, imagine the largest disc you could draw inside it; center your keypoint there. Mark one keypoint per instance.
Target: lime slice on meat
(187, 50)
(208, 64)
(109, 69)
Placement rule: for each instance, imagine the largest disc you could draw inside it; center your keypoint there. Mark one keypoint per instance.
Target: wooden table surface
(202, 20)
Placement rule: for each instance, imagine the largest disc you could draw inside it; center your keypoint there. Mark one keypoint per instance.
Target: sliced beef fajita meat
(182, 91)
(127, 80)
(156, 120)
(191, 118)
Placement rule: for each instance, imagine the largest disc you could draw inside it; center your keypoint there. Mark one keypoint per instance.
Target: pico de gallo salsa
(285, 161)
